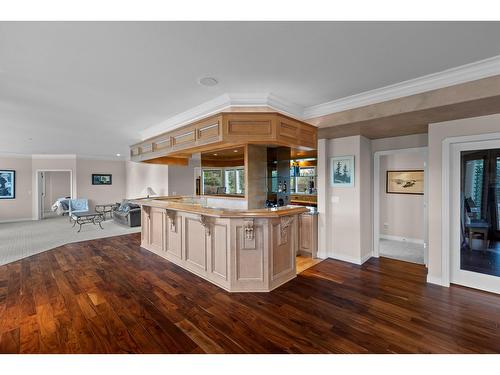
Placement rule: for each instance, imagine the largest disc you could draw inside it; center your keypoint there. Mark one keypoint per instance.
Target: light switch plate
(335, 199)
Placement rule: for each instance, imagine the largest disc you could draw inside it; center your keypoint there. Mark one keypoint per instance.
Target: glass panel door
(480, 211)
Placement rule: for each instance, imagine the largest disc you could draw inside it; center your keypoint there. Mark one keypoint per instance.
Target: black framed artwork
(102, 179)
(7, 184)
(405, 182)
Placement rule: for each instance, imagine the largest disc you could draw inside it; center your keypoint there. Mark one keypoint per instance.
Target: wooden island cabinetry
(308, 234)
(231, 239)
(238, 250)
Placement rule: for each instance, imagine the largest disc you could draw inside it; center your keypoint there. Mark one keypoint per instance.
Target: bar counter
(238, 249)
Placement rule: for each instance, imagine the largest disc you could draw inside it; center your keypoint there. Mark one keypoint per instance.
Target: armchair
(77, 206)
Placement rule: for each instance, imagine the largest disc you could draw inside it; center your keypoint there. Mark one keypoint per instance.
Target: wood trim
(226, 130)
(168, 160)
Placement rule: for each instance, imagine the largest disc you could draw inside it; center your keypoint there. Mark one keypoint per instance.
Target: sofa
(128, 214)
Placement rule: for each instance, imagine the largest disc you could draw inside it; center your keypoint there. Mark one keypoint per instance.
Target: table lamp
(150, 191)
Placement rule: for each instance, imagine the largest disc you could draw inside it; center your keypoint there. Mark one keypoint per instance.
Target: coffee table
(106, 209)
(82, 218)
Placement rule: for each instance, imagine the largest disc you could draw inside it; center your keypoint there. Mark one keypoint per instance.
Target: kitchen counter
(235, 248)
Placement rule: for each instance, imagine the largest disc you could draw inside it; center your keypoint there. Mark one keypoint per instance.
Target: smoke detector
(208, 81)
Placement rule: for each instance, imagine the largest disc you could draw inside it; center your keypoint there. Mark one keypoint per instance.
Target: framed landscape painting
(101, 179)
(7, 184)
(405, 182)
(342, 171)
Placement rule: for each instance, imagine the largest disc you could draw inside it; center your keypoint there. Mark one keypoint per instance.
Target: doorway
(475, 215)
(400, 204)
(52, 185)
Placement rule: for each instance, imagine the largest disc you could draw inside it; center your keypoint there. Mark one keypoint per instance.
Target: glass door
(476, 215)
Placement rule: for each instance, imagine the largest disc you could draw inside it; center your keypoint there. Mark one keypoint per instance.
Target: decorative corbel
(249, 232)
(285, 222)
(172, 215)
(206, 224)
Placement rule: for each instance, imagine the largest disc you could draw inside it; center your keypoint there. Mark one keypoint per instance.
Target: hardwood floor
(303, 262)
(110, 296)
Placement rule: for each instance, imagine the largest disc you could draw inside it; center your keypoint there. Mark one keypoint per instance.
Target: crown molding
(221, 103)
(454, 76)
(14, 155)
(102, 157)
(53, 156)
(62, 157)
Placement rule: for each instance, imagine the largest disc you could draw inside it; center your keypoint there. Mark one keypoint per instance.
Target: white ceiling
(92, 88)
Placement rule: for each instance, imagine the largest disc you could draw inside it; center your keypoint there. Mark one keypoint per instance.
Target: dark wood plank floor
(110, 296)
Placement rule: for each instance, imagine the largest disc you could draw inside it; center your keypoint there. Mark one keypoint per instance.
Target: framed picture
(405, 182)
(101, 179)
(342, 171)
(7, 184)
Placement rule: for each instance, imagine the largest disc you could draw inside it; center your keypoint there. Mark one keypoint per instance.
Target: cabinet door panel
(195, 243)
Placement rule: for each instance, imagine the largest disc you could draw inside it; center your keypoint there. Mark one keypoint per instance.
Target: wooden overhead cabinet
(228, 129)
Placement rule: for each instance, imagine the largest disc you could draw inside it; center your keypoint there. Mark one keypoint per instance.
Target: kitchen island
(238, 249)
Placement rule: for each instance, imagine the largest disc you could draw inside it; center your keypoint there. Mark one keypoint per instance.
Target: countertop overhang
(176, 204)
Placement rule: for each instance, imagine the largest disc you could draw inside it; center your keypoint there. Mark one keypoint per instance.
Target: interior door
(475, 215)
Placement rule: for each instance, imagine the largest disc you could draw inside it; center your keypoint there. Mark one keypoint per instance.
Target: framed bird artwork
(405, 182)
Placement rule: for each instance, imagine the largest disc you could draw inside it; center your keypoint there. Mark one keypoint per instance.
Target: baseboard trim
(321, 255)
(436, 281)
(16, 220)
(346, 258)
(366, 257)
(401, 239)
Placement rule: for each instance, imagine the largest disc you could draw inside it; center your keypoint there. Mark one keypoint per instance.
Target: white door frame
(451, 203)
(37, 214)
(376, 196)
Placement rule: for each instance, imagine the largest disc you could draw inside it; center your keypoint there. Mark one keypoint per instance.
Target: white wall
(140, 176)
(163, 179)
(399, 143)
(21, 207)
(181, 179)
(345, 227)
(437, 134)
(345, 214)
(130, 180)
(25, 206)
(101, 194)
(403, 213)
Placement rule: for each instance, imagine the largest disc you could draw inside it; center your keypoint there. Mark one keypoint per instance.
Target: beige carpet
(26, 238)
(407, 251)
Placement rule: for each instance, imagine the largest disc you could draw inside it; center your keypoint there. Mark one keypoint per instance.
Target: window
(304, 180)
(480, 211)
(212, 179)
(274, 181)
(306, 175)
(235, 181)
(474, 177)
(224, 181)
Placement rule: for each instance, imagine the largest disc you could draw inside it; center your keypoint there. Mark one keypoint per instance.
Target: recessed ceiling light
(208, 81)
(235, 151)
(118, 155)
(215, 154)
